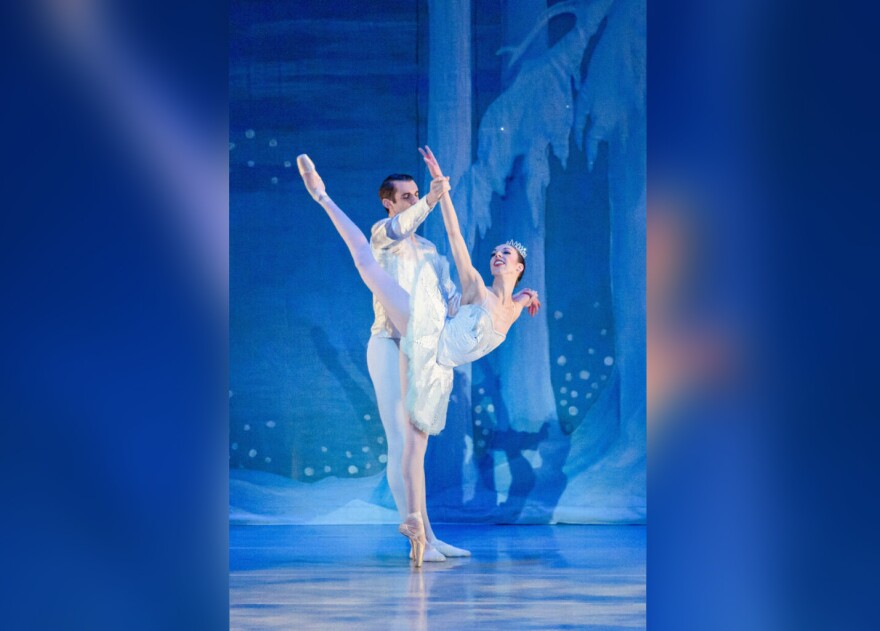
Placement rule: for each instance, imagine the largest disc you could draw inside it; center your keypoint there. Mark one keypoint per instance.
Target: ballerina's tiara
(519, 248)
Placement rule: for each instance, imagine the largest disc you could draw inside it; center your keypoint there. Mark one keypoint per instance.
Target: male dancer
(399, 251)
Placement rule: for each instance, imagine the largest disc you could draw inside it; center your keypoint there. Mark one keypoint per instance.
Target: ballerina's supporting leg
(396, 303)
(413, 467)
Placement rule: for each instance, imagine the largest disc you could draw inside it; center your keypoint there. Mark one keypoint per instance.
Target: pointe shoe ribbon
(314, 183)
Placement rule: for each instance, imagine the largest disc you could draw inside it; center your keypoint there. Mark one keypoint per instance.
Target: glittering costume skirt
(429, 383)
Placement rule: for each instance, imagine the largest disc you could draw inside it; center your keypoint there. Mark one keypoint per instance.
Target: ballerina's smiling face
(506, 259)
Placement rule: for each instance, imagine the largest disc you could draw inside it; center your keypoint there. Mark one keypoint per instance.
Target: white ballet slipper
(447, 550)
(431, 555)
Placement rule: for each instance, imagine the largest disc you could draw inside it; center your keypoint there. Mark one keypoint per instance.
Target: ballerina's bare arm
(528, 299)
(473, 289)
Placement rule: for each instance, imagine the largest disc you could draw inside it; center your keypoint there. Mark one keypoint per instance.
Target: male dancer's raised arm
(387, 232)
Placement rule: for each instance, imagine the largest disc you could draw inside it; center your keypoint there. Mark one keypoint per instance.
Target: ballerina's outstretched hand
(431, 162)
(531, 296)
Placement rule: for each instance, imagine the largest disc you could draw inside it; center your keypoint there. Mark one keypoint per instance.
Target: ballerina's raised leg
(387, 291)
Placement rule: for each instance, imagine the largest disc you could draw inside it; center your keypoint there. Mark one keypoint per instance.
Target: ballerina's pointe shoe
(431, 555)
(414, 529)
(314, 183)
(447, 550)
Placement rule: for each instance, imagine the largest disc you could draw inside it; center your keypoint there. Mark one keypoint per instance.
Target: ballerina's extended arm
(473, 289)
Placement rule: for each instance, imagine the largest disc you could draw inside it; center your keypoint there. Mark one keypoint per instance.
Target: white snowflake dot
(247, 427)
(557, 315)
(287, 164)
(234, 446)
(383, 458)
(365, 449)
(584, 374)
(574, 394)
(478, 422)
(348, 454)
(563, 390)
(327, 469)
(380, 440)
(482, 391)
(324, 450)
(595, 386)
(481, 443)
(569, 337)
(591, 351)
(267, 459)
(568, 376)
(367, 417)
(309, 471)
(490, 408)
(603, 332)
(564, 402)
(270, 424)
(352, 469)
(250, 163)
(252, 453)
(572, 410)
(589, 395)
(478, 408)
(250, 133)
(608, 360)
(231, 146)
(368, 466)
(561, 360)
(273, 143)
(274, 180)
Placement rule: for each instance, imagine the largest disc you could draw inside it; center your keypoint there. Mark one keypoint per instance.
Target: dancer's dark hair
(387, 189)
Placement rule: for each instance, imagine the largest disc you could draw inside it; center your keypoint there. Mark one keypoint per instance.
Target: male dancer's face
(405, 195)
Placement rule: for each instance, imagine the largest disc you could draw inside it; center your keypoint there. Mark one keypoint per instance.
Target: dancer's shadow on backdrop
(359, 398)
(539, 487)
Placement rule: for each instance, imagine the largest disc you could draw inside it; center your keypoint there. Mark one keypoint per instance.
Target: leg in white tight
(384, 287)
(383, 364)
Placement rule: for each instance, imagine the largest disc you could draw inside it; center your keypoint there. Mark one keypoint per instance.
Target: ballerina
(433, 343)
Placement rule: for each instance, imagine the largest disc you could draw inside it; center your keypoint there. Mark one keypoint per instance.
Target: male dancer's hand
(439, 188)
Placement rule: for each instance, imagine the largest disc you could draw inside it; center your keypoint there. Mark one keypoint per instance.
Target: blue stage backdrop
(537, 113)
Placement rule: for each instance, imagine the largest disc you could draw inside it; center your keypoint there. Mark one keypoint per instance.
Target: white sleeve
(387, 232)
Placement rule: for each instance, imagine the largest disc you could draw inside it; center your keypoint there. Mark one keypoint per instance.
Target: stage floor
(358, 577)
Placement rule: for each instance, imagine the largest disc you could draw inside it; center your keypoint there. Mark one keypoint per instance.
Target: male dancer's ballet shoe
(447, 550)
(431, 555)
(314, 184)
(414, 530)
